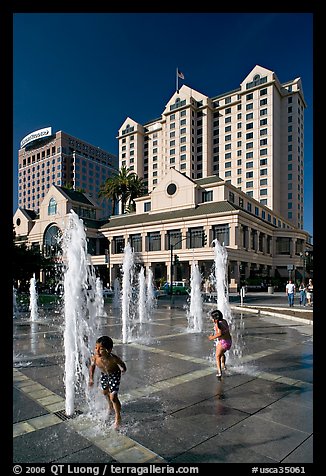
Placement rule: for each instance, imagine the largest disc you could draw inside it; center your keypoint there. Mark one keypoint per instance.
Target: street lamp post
(171, 269)
(107, 260)
(303, 256)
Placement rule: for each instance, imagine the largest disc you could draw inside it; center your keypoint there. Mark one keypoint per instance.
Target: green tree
(136, 188)
(110, 190)
(26, 262)
(123, 187)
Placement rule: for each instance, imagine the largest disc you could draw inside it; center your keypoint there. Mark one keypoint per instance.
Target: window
(222, 234)
(147, 206)
(51, 241)
(153, 241)
(136, 242)
(52, 207)
(195, 237)
(174, 238)
(283, 246)
(118, 245)
(207, 196)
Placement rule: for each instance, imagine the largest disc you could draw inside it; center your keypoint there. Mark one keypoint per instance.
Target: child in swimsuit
(224, 340)
(111, 367)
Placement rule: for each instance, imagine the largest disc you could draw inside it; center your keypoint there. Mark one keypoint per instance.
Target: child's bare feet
(117, 423)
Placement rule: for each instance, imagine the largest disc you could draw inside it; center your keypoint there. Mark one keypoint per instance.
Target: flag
(180, 75)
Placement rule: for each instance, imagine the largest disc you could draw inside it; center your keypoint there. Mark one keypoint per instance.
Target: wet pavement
(174, 408)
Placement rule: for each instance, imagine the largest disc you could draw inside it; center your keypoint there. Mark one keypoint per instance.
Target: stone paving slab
(174, 409)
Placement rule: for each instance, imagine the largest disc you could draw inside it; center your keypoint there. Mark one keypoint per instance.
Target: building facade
(172, 227)
(43, 231)
(46, 159)
(252, 137)
(182, 217)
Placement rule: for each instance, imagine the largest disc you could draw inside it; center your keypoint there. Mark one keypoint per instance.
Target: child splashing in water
(111, 367)
(224, 340)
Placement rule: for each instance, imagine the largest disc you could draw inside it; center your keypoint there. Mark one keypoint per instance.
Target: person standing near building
(290, 291)
(310, 289)
(302, 291)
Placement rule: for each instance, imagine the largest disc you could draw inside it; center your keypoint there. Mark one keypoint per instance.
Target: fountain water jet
(116, 303)
(150, 298)
(127, 270)
(142, 295)
(33, 299)
(79, 310)
(219, 278)
(195, 312)
(99, 299)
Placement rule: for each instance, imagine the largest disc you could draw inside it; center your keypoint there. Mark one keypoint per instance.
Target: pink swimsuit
(225, 343)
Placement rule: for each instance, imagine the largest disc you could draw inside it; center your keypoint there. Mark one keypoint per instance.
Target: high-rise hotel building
(252, 136)
(47, 158)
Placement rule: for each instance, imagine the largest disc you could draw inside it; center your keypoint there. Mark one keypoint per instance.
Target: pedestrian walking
(290, 291)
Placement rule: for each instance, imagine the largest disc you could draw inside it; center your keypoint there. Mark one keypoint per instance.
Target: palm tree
(124, 187)
(110, 190)
(123, 179)
(136, 189)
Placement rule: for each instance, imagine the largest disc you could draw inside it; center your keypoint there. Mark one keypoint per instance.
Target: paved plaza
(174, 408)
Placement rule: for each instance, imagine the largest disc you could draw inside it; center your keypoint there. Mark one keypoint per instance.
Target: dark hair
(216, 315)
(106, 341)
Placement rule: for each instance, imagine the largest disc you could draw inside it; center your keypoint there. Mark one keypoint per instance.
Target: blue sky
(84, 73)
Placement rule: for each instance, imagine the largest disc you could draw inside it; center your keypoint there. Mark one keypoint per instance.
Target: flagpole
(177, 80)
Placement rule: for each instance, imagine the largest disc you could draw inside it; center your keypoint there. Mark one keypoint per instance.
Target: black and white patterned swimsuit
(111, 381)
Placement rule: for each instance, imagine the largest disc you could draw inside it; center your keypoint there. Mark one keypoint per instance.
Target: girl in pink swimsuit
(224, 340)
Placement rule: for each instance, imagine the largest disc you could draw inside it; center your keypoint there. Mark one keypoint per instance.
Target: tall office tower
(252, 136)
(47, 159)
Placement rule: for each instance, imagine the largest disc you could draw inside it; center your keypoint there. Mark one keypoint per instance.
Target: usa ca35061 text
(283, 470)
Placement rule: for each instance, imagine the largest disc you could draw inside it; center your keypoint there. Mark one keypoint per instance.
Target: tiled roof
(208, 180)
(31, 214)
(75, 196)
(203, 209)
